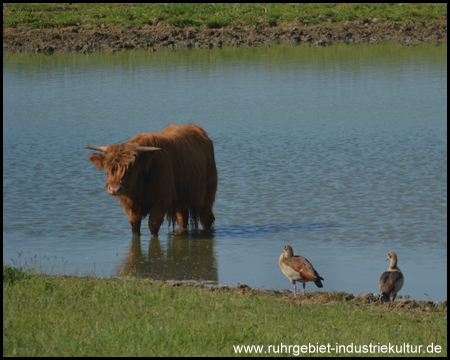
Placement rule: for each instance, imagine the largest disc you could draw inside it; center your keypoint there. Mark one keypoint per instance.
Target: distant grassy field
(209, 15)
(67, 316)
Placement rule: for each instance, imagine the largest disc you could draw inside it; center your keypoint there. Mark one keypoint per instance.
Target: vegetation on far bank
(210, 15)
(69, 316)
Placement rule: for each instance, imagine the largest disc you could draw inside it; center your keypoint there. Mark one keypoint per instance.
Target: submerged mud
(158, 33)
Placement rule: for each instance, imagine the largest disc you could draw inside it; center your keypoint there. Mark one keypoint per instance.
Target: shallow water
(340, 152)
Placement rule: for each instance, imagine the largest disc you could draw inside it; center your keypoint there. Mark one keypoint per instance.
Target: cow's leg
(194, 217)
(206, 217)
(155, 220)
(135, 222)
(183, 217)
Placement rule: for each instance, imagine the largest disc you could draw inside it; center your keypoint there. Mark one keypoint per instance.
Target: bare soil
(159, 34)
(331, 298)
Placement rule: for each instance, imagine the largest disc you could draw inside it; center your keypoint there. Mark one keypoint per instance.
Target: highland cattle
(171, 173)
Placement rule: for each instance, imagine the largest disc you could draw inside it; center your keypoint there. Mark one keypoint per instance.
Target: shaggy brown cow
(172, 172)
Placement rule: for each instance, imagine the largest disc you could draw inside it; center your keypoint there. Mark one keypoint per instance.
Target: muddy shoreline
(312, 297)
(158, 34)
(329, 298)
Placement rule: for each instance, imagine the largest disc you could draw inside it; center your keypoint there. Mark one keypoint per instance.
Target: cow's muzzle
(114, 190)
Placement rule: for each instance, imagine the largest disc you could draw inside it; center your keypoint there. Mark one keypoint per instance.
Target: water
(340, 152)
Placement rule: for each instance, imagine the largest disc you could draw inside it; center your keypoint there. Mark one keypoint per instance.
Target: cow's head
(120, 163)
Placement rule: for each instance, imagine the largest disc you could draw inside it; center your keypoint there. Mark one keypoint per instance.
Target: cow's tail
(193, 218)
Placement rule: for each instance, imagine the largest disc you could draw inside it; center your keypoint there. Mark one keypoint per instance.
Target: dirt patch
(372, 300)
(329, 298)
(158, 33)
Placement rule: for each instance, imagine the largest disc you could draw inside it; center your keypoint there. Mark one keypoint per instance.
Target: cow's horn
(99, 148)
(147, 148)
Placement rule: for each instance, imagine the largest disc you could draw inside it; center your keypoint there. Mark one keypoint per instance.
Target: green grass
(67, 316)
(209, 15)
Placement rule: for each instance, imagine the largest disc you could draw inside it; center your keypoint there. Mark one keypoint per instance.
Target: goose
(297, 268)
(391, 281)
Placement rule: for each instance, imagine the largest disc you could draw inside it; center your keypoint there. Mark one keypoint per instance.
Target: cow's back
(185, 166)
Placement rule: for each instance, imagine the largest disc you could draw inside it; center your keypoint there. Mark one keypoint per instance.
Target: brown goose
(297, 268)
(391, 281)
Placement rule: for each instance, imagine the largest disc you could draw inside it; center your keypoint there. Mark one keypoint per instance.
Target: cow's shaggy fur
(179, 180)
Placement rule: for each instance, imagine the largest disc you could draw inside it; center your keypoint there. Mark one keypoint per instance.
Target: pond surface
(340, 152)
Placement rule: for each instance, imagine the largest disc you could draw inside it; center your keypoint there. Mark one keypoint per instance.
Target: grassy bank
(85, 28)
(210, 15)
(67, 316)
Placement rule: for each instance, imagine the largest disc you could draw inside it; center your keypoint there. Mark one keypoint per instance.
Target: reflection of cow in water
(186, 256)
(172, 172)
